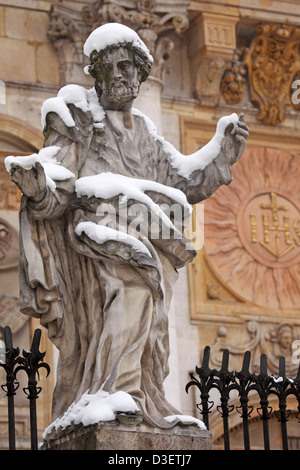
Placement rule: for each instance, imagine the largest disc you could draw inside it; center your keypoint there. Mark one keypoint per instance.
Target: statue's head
(119, 62)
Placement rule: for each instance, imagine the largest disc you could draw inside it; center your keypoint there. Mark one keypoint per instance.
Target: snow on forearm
(185, 165)
(108, 185)
(46, 157)
(101, 234)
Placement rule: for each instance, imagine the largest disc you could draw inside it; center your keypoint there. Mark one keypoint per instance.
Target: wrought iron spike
(225, 361)
(282, 367)
(246, 362)
(206, 354)
(263, 364)
(8, 337)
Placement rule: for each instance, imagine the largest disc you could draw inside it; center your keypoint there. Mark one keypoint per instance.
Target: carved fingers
(31, 181)
(236, 139)
(241, 134)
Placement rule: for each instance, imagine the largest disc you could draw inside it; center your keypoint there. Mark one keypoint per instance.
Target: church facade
(242, 291)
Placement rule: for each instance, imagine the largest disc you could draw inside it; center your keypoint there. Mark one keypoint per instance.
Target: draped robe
(105, 305)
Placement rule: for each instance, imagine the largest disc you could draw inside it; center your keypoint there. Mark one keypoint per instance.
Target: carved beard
(119, 92)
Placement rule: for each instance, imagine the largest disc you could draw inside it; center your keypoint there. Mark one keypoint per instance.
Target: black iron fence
(246, 384)
(30, 362)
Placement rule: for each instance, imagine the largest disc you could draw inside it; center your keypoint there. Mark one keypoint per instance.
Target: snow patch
(108, 185)
(94, 408)
(185, 419)
(46, 157)
(187, 164)
(101, 234)
(86, 100)
(113, 33)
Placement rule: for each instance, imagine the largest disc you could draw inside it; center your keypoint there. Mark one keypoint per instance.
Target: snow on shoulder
(86, 100)
(113, 33)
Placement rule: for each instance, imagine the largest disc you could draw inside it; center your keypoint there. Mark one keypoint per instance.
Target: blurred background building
(212, 58)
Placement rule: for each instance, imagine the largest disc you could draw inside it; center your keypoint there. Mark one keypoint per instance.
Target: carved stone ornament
(9, 246)
(67, 32)
(252, 230)
(149, 18)
(10, 313)
(272, 62)
(273, 340)
(207, 82)
(233, 80)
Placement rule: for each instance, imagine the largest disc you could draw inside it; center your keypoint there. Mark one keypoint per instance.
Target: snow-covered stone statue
(100, 282)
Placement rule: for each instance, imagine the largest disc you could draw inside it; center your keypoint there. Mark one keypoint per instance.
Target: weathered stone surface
(121, 436)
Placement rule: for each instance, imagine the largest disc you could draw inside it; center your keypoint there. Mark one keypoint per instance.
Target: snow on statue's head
(113, 36)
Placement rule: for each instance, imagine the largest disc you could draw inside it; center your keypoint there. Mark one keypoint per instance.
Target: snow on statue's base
(114, 422)
(125, 433)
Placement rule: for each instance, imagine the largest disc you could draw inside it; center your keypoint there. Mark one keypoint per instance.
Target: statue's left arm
(200, 174)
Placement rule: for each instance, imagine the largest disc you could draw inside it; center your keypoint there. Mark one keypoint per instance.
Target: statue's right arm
(41, 200)
(30, 181)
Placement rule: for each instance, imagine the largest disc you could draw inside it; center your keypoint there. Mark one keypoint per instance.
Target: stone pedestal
(114, 435)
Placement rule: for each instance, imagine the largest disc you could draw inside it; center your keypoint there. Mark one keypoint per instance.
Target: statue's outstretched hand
(235, 140)
(31, 182)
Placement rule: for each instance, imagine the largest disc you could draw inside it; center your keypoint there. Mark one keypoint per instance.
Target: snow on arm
(108, 185)
(187, 164)
(46, 157)
(101, 234)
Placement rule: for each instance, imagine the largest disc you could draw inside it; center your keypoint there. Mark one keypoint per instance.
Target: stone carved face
(117, 80)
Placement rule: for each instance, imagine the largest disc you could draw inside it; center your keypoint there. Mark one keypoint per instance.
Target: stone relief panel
(252, 230)
(273, 340)
(9, 285)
